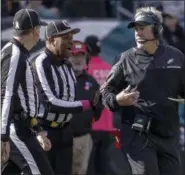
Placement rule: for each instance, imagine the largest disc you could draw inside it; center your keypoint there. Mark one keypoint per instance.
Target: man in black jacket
(149, 133)
(86, 87)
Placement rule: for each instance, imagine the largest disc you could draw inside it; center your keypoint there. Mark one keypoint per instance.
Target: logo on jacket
(88, 85)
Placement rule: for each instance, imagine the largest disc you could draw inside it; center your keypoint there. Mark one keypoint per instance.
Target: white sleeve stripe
(22, 98)
(14, 60)
(56, 82)
(31, 92)
(71, 87)
(65, 94)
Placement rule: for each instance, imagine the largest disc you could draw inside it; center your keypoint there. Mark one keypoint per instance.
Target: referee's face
(63, 45)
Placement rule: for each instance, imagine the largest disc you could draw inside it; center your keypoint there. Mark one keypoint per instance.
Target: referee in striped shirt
(56, 85)
(19, 99)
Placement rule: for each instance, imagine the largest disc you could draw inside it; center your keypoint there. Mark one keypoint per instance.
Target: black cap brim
(42, 23)
(134, 23)
(73, 31)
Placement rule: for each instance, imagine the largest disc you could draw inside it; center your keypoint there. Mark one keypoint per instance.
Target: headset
(151, 17)
(157, 27)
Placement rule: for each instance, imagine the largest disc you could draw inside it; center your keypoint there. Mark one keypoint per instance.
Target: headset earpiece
(158, 27)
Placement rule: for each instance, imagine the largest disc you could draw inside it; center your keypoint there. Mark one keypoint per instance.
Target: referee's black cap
(59, 27)
(26, 19)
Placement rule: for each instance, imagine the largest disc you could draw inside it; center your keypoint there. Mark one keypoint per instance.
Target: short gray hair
(21, 32)
(150, 9)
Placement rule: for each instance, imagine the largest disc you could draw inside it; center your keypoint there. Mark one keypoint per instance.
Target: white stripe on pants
(24, 151)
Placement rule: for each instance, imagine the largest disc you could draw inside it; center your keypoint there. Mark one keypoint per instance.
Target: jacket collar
(54, 59)
(21, 46)
(158, 51)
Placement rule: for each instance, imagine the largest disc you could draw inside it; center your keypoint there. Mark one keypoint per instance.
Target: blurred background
(107, 19)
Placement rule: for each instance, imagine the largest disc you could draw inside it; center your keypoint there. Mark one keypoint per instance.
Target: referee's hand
(44, 141)
(5, 151)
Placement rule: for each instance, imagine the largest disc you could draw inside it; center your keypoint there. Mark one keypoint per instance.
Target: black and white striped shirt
(18, 92)
(56, 86)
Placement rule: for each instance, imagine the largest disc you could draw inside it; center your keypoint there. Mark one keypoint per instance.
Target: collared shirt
(18, 92)
(56, 85)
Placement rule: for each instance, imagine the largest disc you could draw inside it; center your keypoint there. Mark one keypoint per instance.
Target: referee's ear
(50, 41)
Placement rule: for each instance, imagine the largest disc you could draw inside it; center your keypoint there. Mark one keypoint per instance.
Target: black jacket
(86, 86)
(158, 77)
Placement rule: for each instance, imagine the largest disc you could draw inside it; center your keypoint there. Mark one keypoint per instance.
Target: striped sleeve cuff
(86, 105)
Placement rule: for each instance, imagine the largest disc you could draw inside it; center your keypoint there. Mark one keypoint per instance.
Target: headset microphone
(143, 41)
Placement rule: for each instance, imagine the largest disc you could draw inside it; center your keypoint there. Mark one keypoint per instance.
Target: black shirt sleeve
(112, 86)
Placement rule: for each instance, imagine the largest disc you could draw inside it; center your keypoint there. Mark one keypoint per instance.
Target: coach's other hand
(127, 97)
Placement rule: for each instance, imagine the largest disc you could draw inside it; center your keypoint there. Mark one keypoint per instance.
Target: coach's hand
(127, 97)
(5, 151)
(44, 141)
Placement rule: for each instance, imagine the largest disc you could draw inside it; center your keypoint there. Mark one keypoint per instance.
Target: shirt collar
(83, 74)
(158, 51)
(54, 59)
(21, 46)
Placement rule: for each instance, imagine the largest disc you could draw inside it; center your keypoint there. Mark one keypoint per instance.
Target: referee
(19, 99)
(56, 85)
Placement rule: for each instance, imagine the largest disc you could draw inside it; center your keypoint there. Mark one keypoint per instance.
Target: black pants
(10, 168)
(98, 163)
(60, 155)
(155, 156)
(182, 155)
(26, 151)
